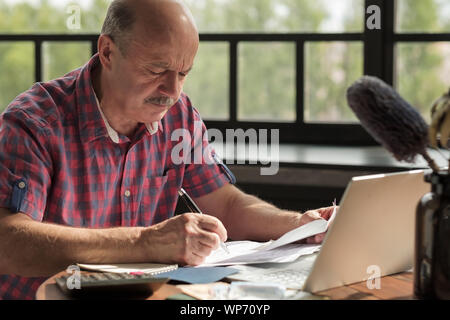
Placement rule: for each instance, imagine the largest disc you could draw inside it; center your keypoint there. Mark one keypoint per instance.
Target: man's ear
(106, 50)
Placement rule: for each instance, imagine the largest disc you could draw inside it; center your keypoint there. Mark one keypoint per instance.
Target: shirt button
(127, 193)
(21, 184)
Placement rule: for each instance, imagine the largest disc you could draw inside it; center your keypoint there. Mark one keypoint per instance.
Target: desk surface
(393, 287)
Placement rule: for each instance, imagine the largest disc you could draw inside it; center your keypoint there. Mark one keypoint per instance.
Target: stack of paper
(282, 250)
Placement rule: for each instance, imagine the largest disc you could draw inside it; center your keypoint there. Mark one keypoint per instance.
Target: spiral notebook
(132, 268)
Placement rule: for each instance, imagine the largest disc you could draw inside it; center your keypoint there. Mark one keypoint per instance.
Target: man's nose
(169, 85)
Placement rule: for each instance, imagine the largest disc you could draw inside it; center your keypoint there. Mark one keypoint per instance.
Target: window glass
(52, 16)
(423, 16)
(422, 73)
(61, 57)
(213, 16)
(207, 84)
(266, 89)
(16, 70)
(35, 16)
(330, 68)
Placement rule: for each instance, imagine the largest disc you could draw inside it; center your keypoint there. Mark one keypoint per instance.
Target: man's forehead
(162, 64)
(166, 65)
(163, 56)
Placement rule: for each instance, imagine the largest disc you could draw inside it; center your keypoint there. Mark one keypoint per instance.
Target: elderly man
(86, 173)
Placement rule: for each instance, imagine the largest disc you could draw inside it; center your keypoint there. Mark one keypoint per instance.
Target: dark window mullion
(378, 43)
(94, 48)
(421, 37)
(233, 81)
(38, 60)
(373, 44)
(300, 81)
(389, 25)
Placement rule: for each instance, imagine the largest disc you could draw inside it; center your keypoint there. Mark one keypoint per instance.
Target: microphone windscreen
(388, 118)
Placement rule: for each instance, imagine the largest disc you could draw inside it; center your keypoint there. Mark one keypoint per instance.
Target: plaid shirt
(61, 162)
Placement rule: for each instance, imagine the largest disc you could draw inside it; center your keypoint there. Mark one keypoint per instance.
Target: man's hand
(321, 213)
(186, 239)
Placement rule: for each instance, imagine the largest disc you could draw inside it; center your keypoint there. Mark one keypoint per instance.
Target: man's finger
(326, 213)
(319, 237)
(316, 239)
(309, 216)
(205, 238)
(213, 224)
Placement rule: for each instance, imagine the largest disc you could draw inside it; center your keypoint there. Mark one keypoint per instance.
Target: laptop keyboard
(291, 279)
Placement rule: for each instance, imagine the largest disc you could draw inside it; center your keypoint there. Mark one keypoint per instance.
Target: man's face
(149, 79)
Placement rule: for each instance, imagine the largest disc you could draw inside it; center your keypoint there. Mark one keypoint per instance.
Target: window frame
(379, 60)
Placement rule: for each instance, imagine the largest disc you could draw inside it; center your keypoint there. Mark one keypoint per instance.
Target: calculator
(111, 285)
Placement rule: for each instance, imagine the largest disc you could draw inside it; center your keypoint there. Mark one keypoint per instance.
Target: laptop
(373, 231)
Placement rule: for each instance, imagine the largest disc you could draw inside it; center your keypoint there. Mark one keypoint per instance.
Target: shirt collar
(151, 127)
(92, 122)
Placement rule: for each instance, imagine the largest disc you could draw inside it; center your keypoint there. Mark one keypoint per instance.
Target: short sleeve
(209, 174)
(25, 165)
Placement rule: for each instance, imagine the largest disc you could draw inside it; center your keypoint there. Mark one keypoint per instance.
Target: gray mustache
(166, 101)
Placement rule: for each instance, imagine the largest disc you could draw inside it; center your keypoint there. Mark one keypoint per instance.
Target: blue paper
(198, 275)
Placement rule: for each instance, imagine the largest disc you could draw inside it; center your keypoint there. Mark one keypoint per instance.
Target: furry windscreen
(388, 118)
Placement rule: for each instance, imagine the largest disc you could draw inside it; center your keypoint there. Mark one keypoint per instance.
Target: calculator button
(97, 276)
(86, 278)
(113, 276)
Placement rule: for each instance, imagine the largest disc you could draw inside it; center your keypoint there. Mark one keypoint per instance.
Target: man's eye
(182, 74)
(155, 72)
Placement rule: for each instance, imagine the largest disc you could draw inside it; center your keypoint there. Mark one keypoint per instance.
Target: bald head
(141, 21)
(146, 50)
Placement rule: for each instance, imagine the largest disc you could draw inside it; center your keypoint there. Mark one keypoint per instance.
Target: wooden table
(394, 287)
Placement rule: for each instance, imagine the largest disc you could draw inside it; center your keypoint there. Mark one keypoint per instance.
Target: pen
(194, 208)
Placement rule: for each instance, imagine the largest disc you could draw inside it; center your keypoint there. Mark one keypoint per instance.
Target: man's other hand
(321, 213)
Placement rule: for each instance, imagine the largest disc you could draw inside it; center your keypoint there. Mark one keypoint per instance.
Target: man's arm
(250, 218)
(32, 248)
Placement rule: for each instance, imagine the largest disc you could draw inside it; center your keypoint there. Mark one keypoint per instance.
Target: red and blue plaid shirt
(59, 163)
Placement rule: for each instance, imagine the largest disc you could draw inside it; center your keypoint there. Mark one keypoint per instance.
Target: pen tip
(224, 247)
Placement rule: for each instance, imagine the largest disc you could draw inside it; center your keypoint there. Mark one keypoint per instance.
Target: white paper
(282, 250)
(245, 252)
(302, 232)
